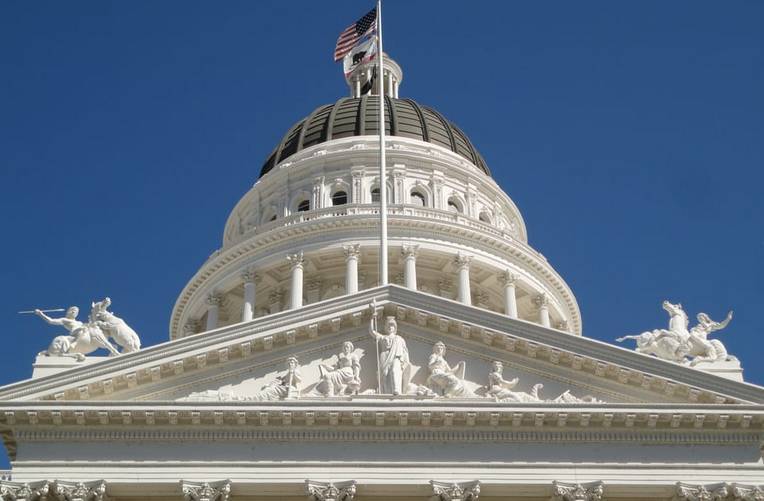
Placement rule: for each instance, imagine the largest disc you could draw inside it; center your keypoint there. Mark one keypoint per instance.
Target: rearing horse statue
(666, 344)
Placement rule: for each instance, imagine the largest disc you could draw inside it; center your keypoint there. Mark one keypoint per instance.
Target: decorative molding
(330, 491)
(455, 491)
(204, 491)
(591, 491)
(80, 491)
(692, 492)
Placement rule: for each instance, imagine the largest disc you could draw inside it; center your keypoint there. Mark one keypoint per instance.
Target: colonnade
(352, 253)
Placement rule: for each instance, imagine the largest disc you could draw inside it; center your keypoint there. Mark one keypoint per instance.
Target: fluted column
(508, 280)
(543, 304)
(213, 310)
(250, 285)
(462, 263)
(409, 253)
(352, 252)
(296, 264)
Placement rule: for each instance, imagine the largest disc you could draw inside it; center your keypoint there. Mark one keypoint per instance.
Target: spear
(27, 312)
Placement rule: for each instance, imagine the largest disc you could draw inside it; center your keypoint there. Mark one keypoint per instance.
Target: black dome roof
(360, 116)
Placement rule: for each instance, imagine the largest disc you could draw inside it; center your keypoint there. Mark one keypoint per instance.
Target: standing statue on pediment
(83, 338)
(393, 369)
(342, 378)
(114, 326)
(447, 380)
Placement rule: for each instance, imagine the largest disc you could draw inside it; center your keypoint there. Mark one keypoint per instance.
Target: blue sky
(630, 135)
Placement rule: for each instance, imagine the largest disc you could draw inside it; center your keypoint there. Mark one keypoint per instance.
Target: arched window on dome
(339, 198)
(375, 195)
(303, 206)
(455, 205)
(418, 199)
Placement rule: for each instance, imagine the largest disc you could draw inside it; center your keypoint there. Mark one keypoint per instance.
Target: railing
(371, 210)
(6, 475)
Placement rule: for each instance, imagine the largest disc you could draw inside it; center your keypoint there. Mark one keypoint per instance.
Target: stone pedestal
(729, 369)
(45, 365)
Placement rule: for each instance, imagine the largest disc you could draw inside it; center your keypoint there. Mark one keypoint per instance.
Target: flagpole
(382, 172)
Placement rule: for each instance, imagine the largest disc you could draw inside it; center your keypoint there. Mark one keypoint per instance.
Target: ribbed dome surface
(360, 116)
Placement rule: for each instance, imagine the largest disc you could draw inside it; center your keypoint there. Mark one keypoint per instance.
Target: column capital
(296, 260)
(410, 251)
(590, 491)
(456, 491)
(507, 278)
(352, 250)
(462, 260)
(741, 492)
(710, 492)
(214, 299)
(204, 491)
(330, 491)
(541, 300)
(562, 325)
(249, 275)
(80, 491)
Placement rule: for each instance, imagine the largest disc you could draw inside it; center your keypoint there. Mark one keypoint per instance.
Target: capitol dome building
(296, 370)
(308, 230)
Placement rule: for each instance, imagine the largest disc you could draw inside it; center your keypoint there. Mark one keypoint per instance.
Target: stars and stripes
(353, 33)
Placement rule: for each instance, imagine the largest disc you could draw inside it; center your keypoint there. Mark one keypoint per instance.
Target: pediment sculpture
(680, 344)
(86, 337)
(340, 376)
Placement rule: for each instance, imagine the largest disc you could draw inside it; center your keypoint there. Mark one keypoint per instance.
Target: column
(213, 311)
(357, 87)
(248, 308)
(543, 304)
(508, 280)
(352, 252)
(296, 264)
(409, 253)
(389, 85)
(395, 86)
(462, 263)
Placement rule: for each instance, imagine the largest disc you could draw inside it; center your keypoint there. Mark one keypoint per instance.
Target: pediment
(238, 361)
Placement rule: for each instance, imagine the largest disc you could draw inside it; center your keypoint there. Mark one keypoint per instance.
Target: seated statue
(447, 380)
(343, 377)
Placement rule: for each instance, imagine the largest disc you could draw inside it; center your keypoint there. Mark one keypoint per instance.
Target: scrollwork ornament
(690, 492)
(742, 492)
(453, 491)
(204, 491)
(563, 491)
(330, 491)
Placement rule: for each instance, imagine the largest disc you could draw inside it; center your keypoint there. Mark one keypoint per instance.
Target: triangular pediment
(236, 362)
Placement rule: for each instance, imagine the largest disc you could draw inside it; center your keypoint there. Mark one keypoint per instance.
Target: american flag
(351, 35)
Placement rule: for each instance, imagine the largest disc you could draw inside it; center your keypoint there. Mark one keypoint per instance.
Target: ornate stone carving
(79, 491)
(541, 301)
(453, 491)
(507, 278)
(85, 338)
(249, 275)
(330, 491)
(344, 376)
(214, 299)
(410, 251)
(563, 491)
(742, 492)
(444, 379)
(393, 367)
(501, 390)
(204, 491)
(17, 491)
(286, 386)
(352, 250)
(296, 260)
(114, 327)
(462, 261)
(690, 492)
(677, 343)
(191, 327)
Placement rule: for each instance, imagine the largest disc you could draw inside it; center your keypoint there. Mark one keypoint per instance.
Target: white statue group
(394, 374)
(681, 344)
(86, 337)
